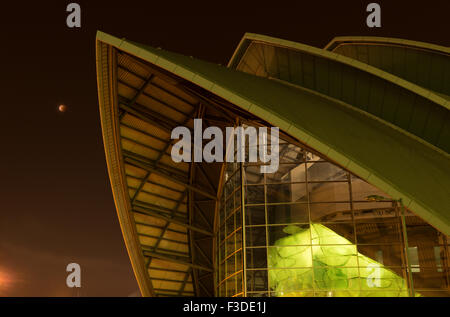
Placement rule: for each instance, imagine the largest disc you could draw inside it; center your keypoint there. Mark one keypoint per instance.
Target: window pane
(289, 257)
(257, 280)
(253, 174)
(327, 212)
(324, 171)
(279, 193)
(335, 256)
(298, 234)
(329, 191)
(254, 215)
(385, 254)
(254, 194)
(287, 213)
(255, 236)
(256, 258)
(334, 233)
(378, 232)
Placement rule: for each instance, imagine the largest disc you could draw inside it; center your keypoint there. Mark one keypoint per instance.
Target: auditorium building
(359, 204)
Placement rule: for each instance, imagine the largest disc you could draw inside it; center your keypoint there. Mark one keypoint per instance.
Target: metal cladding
(367, 104)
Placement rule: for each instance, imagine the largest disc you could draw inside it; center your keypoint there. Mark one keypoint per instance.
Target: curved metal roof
(413, 108)
(139, 107)
(424, 64)
(144, 92)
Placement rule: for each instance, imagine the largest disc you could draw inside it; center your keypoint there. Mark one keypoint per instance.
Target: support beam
(160, 155)
(158, 227)
(185, 281)
(168, 279)
(203, 253)
(200, 212)
(180, 223)
(164, 251)
(153, 98)
(160, 237)
(149, 165)
(156, 85)
(176, 260)
(166, 269)
(125, 104)
(141, 90)
(146, 116)
(168, 175)
(215, 105)
(204, 289)
(208, 179)
(166, 226)
(172, 213)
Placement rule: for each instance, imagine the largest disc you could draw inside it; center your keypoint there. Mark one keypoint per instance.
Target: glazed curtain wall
(313, 229)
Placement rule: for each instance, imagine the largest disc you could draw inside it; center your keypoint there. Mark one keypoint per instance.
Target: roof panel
(421, 63)
(351, 137)
(344, 70)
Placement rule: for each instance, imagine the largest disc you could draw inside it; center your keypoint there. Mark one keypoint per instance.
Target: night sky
(56, 205)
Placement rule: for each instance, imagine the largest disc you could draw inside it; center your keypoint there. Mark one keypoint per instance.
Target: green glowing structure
(317, 261)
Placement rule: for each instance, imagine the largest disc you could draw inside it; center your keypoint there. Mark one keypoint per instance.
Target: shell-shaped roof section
(424, 64)
(376, 151)
(412, 108)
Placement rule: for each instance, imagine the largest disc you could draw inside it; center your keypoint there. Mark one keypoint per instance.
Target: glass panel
(289, 235)
(345, 230)
(257, 294)
(238, 218)
(255, 215)
(239, 262)
(256, 258)
(230, 244)
(230, 225)
(255, 236)
(253, 174)
(328, 212)
(279, 193)
(257, 280)
(314, 230)
(366, 196)
(287, 213)
(384, 254)
(376, 277)
(335, 256)
(378, 232)
(329, 191)
(429, 278)
(292, 282)
(254, 194)
(287, 173)
(414, 259)
(324, 171)
(239, 286)
(439, 256)
(340, 281)
(231, 286)
(230, 265)
(289, 257)
(291, 153)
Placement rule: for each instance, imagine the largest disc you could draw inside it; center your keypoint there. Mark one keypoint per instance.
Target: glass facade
(314, 229)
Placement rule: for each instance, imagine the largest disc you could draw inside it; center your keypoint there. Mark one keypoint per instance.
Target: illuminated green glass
(318, 259)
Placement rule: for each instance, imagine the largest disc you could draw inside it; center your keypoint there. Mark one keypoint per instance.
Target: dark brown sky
(56, 205)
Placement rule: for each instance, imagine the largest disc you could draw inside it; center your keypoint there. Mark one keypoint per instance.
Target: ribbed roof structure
(375, 120)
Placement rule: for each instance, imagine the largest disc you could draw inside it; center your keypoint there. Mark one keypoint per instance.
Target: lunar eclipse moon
(62, 108)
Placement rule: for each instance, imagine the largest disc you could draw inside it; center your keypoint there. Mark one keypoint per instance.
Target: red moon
(62, 108)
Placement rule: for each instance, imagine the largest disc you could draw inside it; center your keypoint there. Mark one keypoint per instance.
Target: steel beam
(177, 260)
(183, 224)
